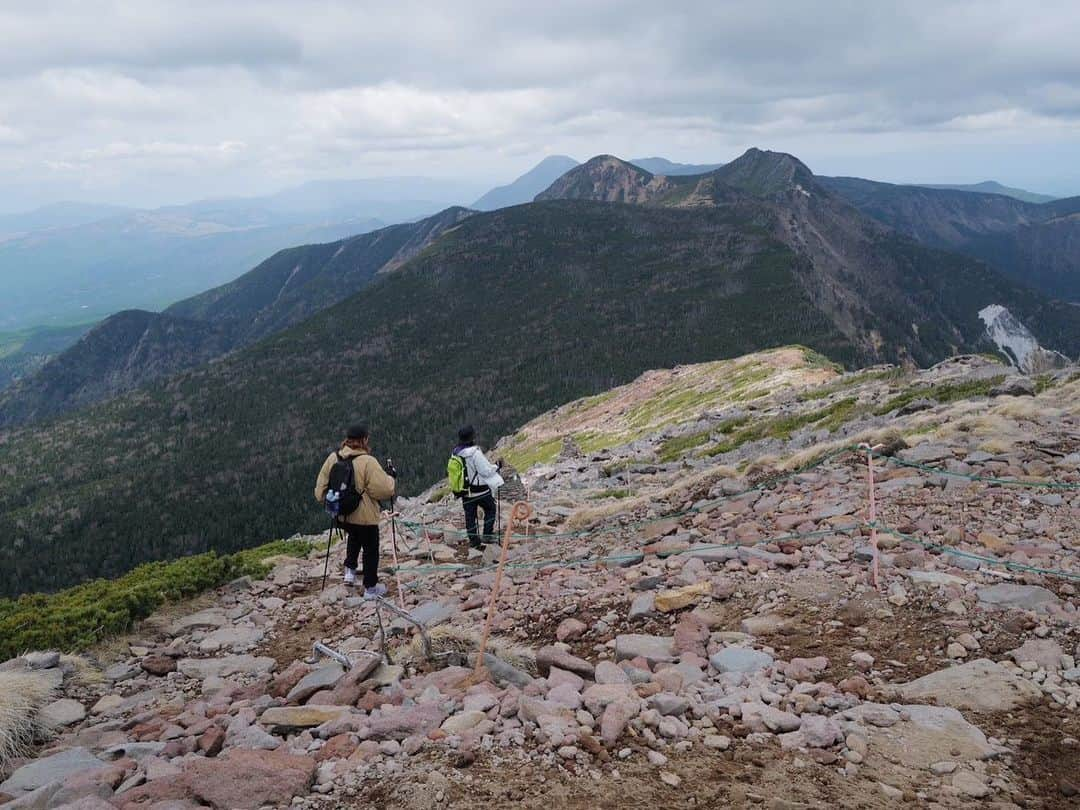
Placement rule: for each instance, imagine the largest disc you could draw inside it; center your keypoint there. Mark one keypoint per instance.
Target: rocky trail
(688, 619)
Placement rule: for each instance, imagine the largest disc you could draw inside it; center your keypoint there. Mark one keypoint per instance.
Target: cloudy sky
(149, 102)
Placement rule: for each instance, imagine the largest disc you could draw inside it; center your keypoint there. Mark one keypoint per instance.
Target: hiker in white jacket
(482, 480)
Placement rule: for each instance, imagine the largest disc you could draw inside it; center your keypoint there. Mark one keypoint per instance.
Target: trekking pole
(326, 565)
(393, 530)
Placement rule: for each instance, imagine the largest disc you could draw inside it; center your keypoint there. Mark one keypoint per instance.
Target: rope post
(427, 537)
(521, 512)
(873, 508)
(393, 547)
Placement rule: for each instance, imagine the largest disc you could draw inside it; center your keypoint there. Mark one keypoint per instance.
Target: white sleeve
(483, 467)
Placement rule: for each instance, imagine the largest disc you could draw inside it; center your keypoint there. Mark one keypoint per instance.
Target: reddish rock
(570, 630)
(349, 688)
(211, 741)
(338, 747)
(691, 635)
(158, 664)
(179, 747)
(397, 723)
(548, 657)
(856, 685)
(285, 680)
(240, 780)
(145, 732)
(804, 669)
(617, 716)
(373, 700)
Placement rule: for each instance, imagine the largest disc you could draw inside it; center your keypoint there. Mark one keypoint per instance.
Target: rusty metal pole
(873, 510)
(521, 512)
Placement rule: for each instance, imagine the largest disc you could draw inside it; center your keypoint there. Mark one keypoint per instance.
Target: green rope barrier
(1015, 482)
(434, 569)
(761, 485)
(972, 556)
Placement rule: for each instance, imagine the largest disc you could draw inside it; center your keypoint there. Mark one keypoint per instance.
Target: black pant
(479, 499)
(366, 538)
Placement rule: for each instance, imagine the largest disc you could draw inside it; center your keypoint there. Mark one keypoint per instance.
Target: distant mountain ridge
(134, 347)
(528, 185)
(873, 283)
(56, 215)
(992, 187)
(74, 262)
(525, 188)
(1038, 244)
(659, 165)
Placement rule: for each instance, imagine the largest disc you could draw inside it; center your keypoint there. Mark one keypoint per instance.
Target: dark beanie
(358, 431)
(467, 435)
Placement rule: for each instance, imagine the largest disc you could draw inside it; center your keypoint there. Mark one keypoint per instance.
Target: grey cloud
(92, 94)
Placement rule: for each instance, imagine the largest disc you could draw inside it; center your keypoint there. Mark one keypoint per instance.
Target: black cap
(358, 431)
(467, 434)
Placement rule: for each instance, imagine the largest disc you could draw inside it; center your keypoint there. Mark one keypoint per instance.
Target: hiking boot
(477, 544)
(350, 576)
(376, 592)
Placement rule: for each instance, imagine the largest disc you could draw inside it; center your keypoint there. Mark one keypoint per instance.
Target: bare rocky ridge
(870, 278)
(691, 619)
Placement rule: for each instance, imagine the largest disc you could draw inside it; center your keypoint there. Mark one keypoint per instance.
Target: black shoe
(478, 545)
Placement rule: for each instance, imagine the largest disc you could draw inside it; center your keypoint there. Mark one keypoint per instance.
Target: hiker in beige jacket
(362, 524)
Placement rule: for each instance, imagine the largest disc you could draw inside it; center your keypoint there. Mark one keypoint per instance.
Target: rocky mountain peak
(606, 178)
(764, 173)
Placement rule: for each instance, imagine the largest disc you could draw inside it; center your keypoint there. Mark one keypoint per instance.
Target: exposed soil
(903, 644)
(1047, 771)
(742, 777)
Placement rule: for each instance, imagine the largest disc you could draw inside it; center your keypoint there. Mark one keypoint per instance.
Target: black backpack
(342, 496)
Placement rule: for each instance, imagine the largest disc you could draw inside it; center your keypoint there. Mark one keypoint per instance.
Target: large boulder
(286, 718)
(1045, 652)
(325, 677)
(740, 659)
(981, 685)
(209, 619)
(654, 649)
(237, 780)
(56, 768)
(1022, 597)
(929, 734)
(684, 597)
(224, 666)
(63, 712)
(399, 723)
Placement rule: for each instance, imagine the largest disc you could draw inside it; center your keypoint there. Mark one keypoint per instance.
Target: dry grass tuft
(704, 479)
(81, 672)
(22, 695)
(463, 641)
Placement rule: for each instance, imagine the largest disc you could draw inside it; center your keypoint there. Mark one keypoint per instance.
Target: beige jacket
(370, 479)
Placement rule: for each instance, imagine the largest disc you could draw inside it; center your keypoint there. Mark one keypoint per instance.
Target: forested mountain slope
(501, 318)
(1038, 243)
(132, 348)
(505, 316)
(886, 292)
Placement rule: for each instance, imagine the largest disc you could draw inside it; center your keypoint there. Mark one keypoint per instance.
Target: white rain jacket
(479, 472)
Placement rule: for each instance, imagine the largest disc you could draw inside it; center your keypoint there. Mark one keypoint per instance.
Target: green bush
(77, 617)
(944, 393)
